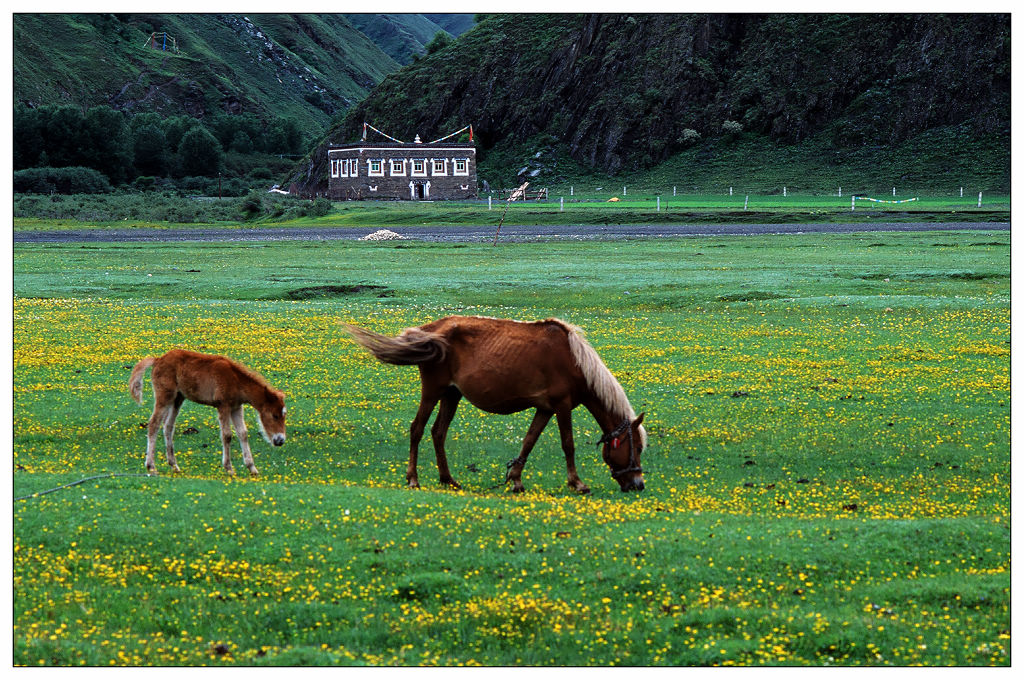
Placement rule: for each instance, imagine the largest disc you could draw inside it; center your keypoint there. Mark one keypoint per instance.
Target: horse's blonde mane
(598, 377)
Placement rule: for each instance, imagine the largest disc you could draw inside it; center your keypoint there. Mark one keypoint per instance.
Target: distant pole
(220, 194)
(745, 201)
(840, 192)
(570, 191)
(488, 202)
(894, 192)
(979, 199)
(730, 191)
(853, 203)
(783, 191)
(623, 190)
(658, 209)
(561, 203)
(673, 191)
(961, 192)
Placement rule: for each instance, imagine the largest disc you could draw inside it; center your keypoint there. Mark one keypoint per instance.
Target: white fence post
(570, 191)
(488, 202)
(783, 191)
(894, 192)
(730, 191)
(673, 191)
(840, 192)
(623, 190)
(979, 199)
(747, 198)
(961, 192)
(853, 203)
(561, 203)
(658, 209)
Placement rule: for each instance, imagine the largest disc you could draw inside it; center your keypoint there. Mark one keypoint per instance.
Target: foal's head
(621, 452)
(272, 413)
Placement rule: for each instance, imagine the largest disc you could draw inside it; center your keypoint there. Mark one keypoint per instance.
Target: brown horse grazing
(215, 381)
(504, 366)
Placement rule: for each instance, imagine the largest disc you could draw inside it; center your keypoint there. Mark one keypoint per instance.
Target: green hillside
(617, 94)
(307, 67)
(402, 36)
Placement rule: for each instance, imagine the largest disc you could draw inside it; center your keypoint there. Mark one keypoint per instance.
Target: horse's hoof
(151, 470)
(253, 472)
(176, 469)
(518, 488)
(583, 489)
(452, 483)
(414, 484)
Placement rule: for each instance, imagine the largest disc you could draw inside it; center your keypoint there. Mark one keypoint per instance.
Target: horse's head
(621, 452)
(271, 420)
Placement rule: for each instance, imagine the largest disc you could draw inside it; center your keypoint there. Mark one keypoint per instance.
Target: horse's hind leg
(428, 399)
(445, 413)
(238, 418)
(224, 416)
(569, 448)
(515, 469)
(172, 415)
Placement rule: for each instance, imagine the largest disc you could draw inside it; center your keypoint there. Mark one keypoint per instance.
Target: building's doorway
(418, 191)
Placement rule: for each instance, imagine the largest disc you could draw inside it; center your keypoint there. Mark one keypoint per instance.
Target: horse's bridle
(634, 464)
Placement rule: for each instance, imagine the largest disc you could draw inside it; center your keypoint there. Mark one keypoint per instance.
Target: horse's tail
(135, 381)
(412, 346)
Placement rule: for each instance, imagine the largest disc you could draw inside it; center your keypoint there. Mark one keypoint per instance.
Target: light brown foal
(213, 380)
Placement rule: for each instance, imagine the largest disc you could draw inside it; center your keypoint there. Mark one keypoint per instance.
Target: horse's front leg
(238, 419)
(564, 418)
(172, 416)
(515, 469)
(438, 433)
(224, 416)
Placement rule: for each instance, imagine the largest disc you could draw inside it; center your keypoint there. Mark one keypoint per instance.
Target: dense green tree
(151, 152)
(242, 143)
(106, 144)
(29, 136)
(200, 152)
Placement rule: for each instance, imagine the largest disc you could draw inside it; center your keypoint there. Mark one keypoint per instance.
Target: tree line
(140, 148)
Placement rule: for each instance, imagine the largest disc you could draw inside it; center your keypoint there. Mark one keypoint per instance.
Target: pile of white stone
(382, 235)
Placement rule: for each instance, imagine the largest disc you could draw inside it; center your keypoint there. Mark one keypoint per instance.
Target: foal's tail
(135, 381)
(412, 346)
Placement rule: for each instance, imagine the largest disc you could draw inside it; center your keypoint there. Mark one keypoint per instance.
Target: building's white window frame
(464, 162)
(353, 167)
(379, 172)
(343, 168)
(422, 172)
(334, 167)
(434, 164)
(397, 162)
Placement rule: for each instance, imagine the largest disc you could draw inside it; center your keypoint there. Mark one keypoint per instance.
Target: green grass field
(583, 206)
(828, 476)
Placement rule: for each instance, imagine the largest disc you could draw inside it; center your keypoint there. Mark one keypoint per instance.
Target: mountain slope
(403, 35)
(621, 93)
(308, 67)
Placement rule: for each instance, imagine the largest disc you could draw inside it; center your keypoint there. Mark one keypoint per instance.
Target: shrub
(71, 180)
(731, 127)
(689, 137)
(319, 207)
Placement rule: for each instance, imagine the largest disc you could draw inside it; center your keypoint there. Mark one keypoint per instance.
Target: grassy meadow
(828, 476)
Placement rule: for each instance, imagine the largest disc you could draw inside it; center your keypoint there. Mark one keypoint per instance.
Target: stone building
(399, 171)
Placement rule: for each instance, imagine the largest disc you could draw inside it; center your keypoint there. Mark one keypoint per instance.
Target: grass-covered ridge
(827, 481)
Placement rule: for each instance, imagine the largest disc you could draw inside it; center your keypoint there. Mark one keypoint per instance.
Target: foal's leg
(445, 413)
(224, 416)
(164, 402)
(172, 415)
(428, 399)
(515, 471)
(238, 418)
(564, 419)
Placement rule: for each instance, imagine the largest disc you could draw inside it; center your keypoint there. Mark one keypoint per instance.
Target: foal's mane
(608, 390)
